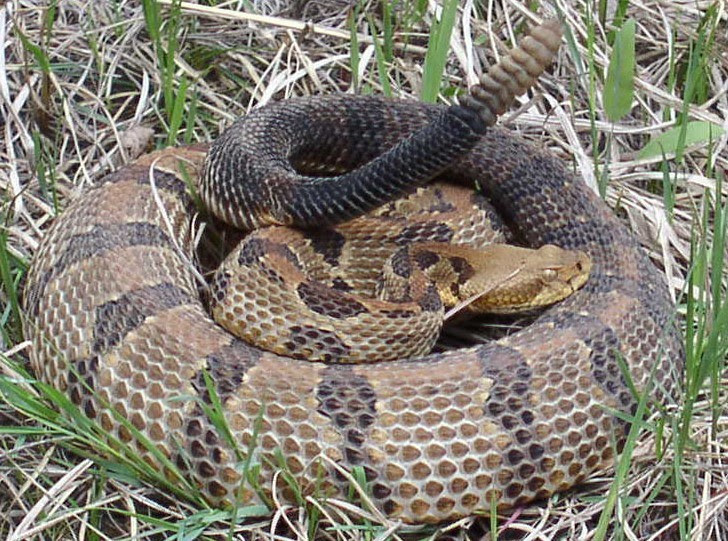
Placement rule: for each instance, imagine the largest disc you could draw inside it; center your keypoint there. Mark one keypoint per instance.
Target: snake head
(505, 279)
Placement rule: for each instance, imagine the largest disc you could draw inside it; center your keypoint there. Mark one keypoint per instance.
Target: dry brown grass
(101, 101)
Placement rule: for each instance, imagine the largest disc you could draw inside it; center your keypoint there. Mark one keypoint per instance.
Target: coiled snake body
(115, 320)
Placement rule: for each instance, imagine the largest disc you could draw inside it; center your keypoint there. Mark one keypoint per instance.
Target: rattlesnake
(115, 320)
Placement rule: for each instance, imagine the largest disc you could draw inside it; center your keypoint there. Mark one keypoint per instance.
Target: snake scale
(115, 319)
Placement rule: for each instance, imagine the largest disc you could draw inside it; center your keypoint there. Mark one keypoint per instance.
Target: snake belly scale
(115, 319)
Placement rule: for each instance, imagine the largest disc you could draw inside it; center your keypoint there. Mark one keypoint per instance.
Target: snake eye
(549, 275)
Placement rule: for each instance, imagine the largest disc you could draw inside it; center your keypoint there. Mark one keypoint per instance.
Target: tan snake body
(115, 320)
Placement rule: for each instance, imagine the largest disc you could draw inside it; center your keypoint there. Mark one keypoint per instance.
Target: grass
(78, 95)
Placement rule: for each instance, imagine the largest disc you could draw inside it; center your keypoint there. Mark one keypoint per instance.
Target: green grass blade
(438, 47)
(381, 61)
(10, 280)
(388, 31)
(676, 139)
(38, 53)
(175, 119)
(354, 56)
(619, 86)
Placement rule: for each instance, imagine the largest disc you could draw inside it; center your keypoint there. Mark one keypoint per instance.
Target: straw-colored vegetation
(86, 86)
